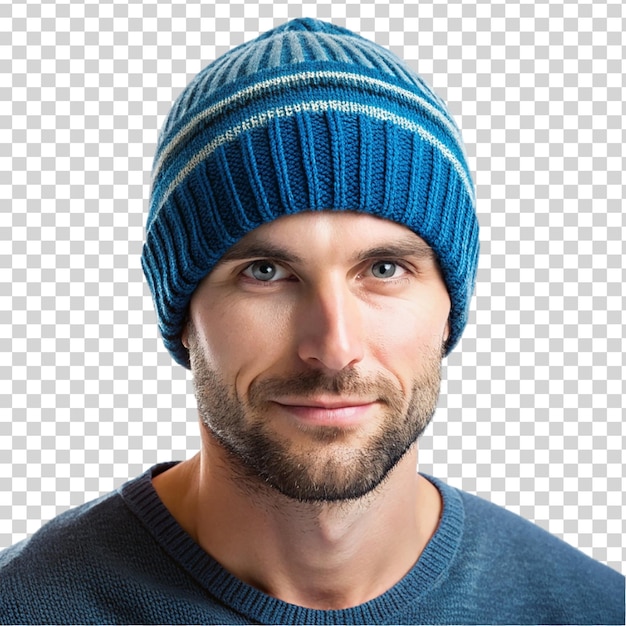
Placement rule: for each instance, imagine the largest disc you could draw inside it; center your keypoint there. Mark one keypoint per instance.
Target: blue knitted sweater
(124, 559)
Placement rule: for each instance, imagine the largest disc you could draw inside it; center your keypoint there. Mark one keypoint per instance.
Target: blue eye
(262, 270)
(265, 271)
(384, 269)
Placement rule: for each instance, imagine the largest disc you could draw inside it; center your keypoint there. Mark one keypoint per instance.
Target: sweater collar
(142, 499)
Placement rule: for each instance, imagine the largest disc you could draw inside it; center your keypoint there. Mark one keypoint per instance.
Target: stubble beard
(330, 469)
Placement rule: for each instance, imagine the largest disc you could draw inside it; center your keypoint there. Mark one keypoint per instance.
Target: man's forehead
(367, 234)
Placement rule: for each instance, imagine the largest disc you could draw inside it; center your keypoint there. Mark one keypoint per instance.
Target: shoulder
(41, 574)
(90, 564)
(63, 529)
(533, 571)
(512, 536)
(113, 560)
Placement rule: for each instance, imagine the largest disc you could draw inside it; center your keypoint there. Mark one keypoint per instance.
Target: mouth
(332, 412)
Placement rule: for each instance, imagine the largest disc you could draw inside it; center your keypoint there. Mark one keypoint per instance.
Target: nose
(330, 333)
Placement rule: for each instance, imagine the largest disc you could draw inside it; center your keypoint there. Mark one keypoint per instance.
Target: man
(311, 248)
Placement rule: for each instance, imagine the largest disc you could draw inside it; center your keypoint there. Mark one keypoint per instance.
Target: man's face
(316, 348)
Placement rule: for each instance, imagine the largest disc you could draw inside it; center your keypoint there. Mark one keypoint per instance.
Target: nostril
(333, 347)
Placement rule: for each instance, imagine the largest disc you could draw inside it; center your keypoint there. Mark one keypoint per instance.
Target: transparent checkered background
(531, 414)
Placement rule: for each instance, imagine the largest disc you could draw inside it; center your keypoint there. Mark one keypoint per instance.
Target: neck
(318, 555)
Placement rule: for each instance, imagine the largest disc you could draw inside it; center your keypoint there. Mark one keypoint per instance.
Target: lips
(328, 412)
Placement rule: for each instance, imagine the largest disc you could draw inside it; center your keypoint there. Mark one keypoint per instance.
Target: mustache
(314, 382)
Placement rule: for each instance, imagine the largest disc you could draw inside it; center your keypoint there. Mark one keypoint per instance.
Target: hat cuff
(330, 158)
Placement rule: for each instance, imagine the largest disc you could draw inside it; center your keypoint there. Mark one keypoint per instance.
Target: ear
(446, 332)
(184, 335)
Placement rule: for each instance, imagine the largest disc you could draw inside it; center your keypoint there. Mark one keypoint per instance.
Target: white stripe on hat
(292, 79)
(315, 106)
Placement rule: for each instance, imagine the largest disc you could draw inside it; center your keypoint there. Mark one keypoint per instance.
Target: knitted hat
(307, 117)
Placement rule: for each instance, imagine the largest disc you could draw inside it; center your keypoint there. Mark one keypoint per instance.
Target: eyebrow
(404, 247)
(243, 250)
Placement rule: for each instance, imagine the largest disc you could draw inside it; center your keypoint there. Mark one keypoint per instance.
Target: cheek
(405, 332)
(241, 339)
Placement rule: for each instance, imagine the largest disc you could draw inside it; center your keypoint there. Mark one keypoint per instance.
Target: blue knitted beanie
(307, 117)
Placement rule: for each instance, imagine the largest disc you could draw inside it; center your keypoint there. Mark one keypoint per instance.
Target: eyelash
(398, 264)
(403, 266)
(276, 264)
